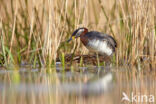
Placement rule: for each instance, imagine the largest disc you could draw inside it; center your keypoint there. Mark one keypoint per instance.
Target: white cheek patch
(80, 31)
(100, 46)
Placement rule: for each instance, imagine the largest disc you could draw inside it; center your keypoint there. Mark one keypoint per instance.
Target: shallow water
(83, 85)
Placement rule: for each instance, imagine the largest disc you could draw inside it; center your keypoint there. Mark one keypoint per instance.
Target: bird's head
(77, 33)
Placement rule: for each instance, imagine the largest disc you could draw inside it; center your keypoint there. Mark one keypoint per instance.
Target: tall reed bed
(35, 31)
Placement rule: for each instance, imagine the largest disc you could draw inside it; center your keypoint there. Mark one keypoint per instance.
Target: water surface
(83, 85)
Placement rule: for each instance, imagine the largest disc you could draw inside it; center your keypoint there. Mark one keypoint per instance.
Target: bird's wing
(110, 40)
(104, 37)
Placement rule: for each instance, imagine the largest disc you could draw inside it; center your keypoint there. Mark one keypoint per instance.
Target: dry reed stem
(31, 28)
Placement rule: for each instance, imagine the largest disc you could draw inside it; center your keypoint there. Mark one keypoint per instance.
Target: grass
(36, 31)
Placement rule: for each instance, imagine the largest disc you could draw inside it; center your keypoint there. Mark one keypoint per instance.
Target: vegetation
(35, 31)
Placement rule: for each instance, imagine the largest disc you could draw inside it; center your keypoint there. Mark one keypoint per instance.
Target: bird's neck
(83, 38)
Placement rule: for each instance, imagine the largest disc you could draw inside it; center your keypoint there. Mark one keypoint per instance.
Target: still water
(82, 85)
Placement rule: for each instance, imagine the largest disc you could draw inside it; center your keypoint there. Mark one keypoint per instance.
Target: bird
(94, 41)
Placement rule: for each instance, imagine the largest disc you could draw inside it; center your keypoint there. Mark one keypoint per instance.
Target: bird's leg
(98, 61)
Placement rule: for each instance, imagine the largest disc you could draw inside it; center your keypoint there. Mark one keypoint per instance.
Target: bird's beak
(72, 38)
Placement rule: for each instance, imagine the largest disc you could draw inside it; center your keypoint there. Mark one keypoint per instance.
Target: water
(83, 85)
